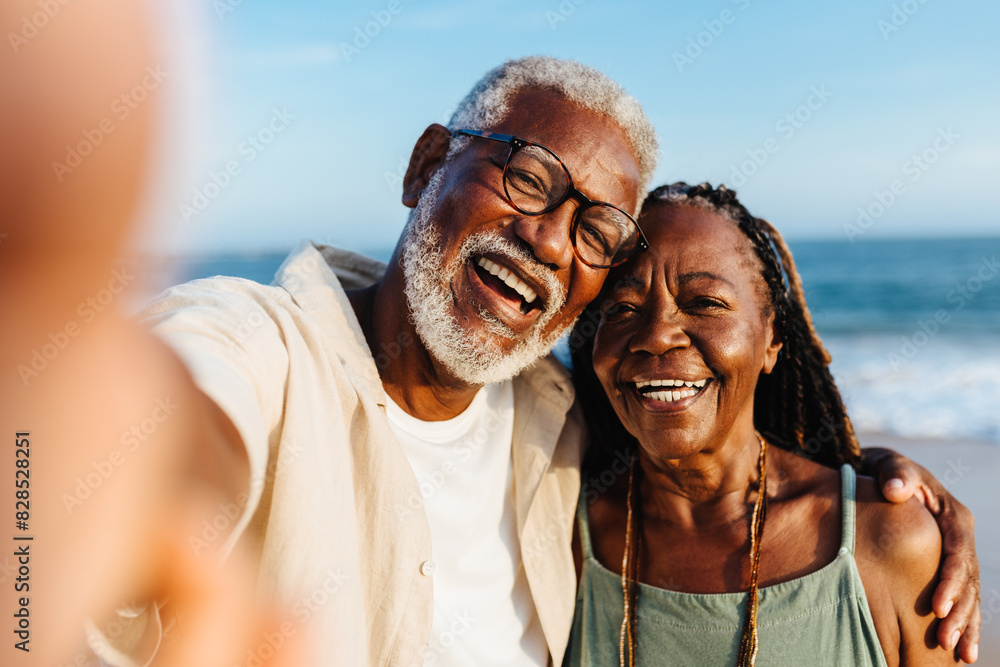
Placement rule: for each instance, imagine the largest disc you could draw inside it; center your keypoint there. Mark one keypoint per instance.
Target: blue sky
(727, 83)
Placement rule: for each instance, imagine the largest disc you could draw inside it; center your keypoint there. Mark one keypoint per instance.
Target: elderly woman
(740, 530)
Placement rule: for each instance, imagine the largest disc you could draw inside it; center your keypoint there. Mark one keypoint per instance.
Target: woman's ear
(774, 345)
(428, 154)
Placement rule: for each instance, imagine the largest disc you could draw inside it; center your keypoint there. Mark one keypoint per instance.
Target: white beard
(474, 359)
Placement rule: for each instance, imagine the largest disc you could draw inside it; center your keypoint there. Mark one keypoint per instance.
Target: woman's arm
(899, 557)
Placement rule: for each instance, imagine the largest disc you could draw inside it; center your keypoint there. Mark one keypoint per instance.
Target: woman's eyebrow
(627, 282)
(695, 275)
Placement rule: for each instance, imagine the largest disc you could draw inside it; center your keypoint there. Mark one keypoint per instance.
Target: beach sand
(971, 471)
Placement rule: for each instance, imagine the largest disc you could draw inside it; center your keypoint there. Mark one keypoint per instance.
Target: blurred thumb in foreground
(113, 487)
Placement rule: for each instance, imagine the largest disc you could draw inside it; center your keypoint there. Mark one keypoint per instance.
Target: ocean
(913, 327)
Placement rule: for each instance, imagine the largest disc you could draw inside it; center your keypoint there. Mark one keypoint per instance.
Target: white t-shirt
(483, 611)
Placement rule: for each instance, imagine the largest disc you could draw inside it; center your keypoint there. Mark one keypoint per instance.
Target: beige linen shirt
(334, 507)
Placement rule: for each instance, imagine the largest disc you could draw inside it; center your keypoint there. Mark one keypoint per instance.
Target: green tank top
(819, 619)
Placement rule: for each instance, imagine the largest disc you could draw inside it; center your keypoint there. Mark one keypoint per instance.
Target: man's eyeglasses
(536, 181)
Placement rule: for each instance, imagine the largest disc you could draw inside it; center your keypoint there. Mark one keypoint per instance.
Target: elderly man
(396, 441)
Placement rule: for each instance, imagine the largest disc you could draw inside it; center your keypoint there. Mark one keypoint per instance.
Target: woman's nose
(659, 332)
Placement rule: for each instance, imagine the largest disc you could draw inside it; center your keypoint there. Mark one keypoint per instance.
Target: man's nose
(549, 235)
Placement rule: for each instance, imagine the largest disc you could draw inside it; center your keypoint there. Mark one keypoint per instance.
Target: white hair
(488, 102)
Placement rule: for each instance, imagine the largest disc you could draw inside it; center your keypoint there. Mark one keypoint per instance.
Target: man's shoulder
(547, 375)
(223, 292)
(548, 383)
(354, 270)
(306, 267)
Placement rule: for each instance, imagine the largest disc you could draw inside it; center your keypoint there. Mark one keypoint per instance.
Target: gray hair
(721, 200)
(487, 102)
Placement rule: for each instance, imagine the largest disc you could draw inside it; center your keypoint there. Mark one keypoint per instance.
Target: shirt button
(427, 568)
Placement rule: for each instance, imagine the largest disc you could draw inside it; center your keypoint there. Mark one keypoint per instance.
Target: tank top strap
(848, 510)
(583, 525)
(848, 491)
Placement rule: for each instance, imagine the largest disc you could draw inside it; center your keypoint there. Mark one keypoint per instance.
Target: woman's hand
(956, 599)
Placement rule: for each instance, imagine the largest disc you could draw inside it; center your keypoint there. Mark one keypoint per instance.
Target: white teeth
(670, 383)
(671, 396)
(510, 278)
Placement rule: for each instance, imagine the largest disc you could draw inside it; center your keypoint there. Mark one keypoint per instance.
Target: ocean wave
(940, 386)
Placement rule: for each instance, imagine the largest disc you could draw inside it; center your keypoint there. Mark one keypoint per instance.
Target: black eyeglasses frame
(516, 144)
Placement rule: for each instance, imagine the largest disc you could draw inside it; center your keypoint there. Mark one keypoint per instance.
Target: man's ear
(428, 154)
(774, 345)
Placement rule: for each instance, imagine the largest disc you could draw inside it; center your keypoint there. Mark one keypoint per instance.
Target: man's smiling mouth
(509, 284)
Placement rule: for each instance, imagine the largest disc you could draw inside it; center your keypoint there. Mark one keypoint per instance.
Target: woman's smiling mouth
(670, 390)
